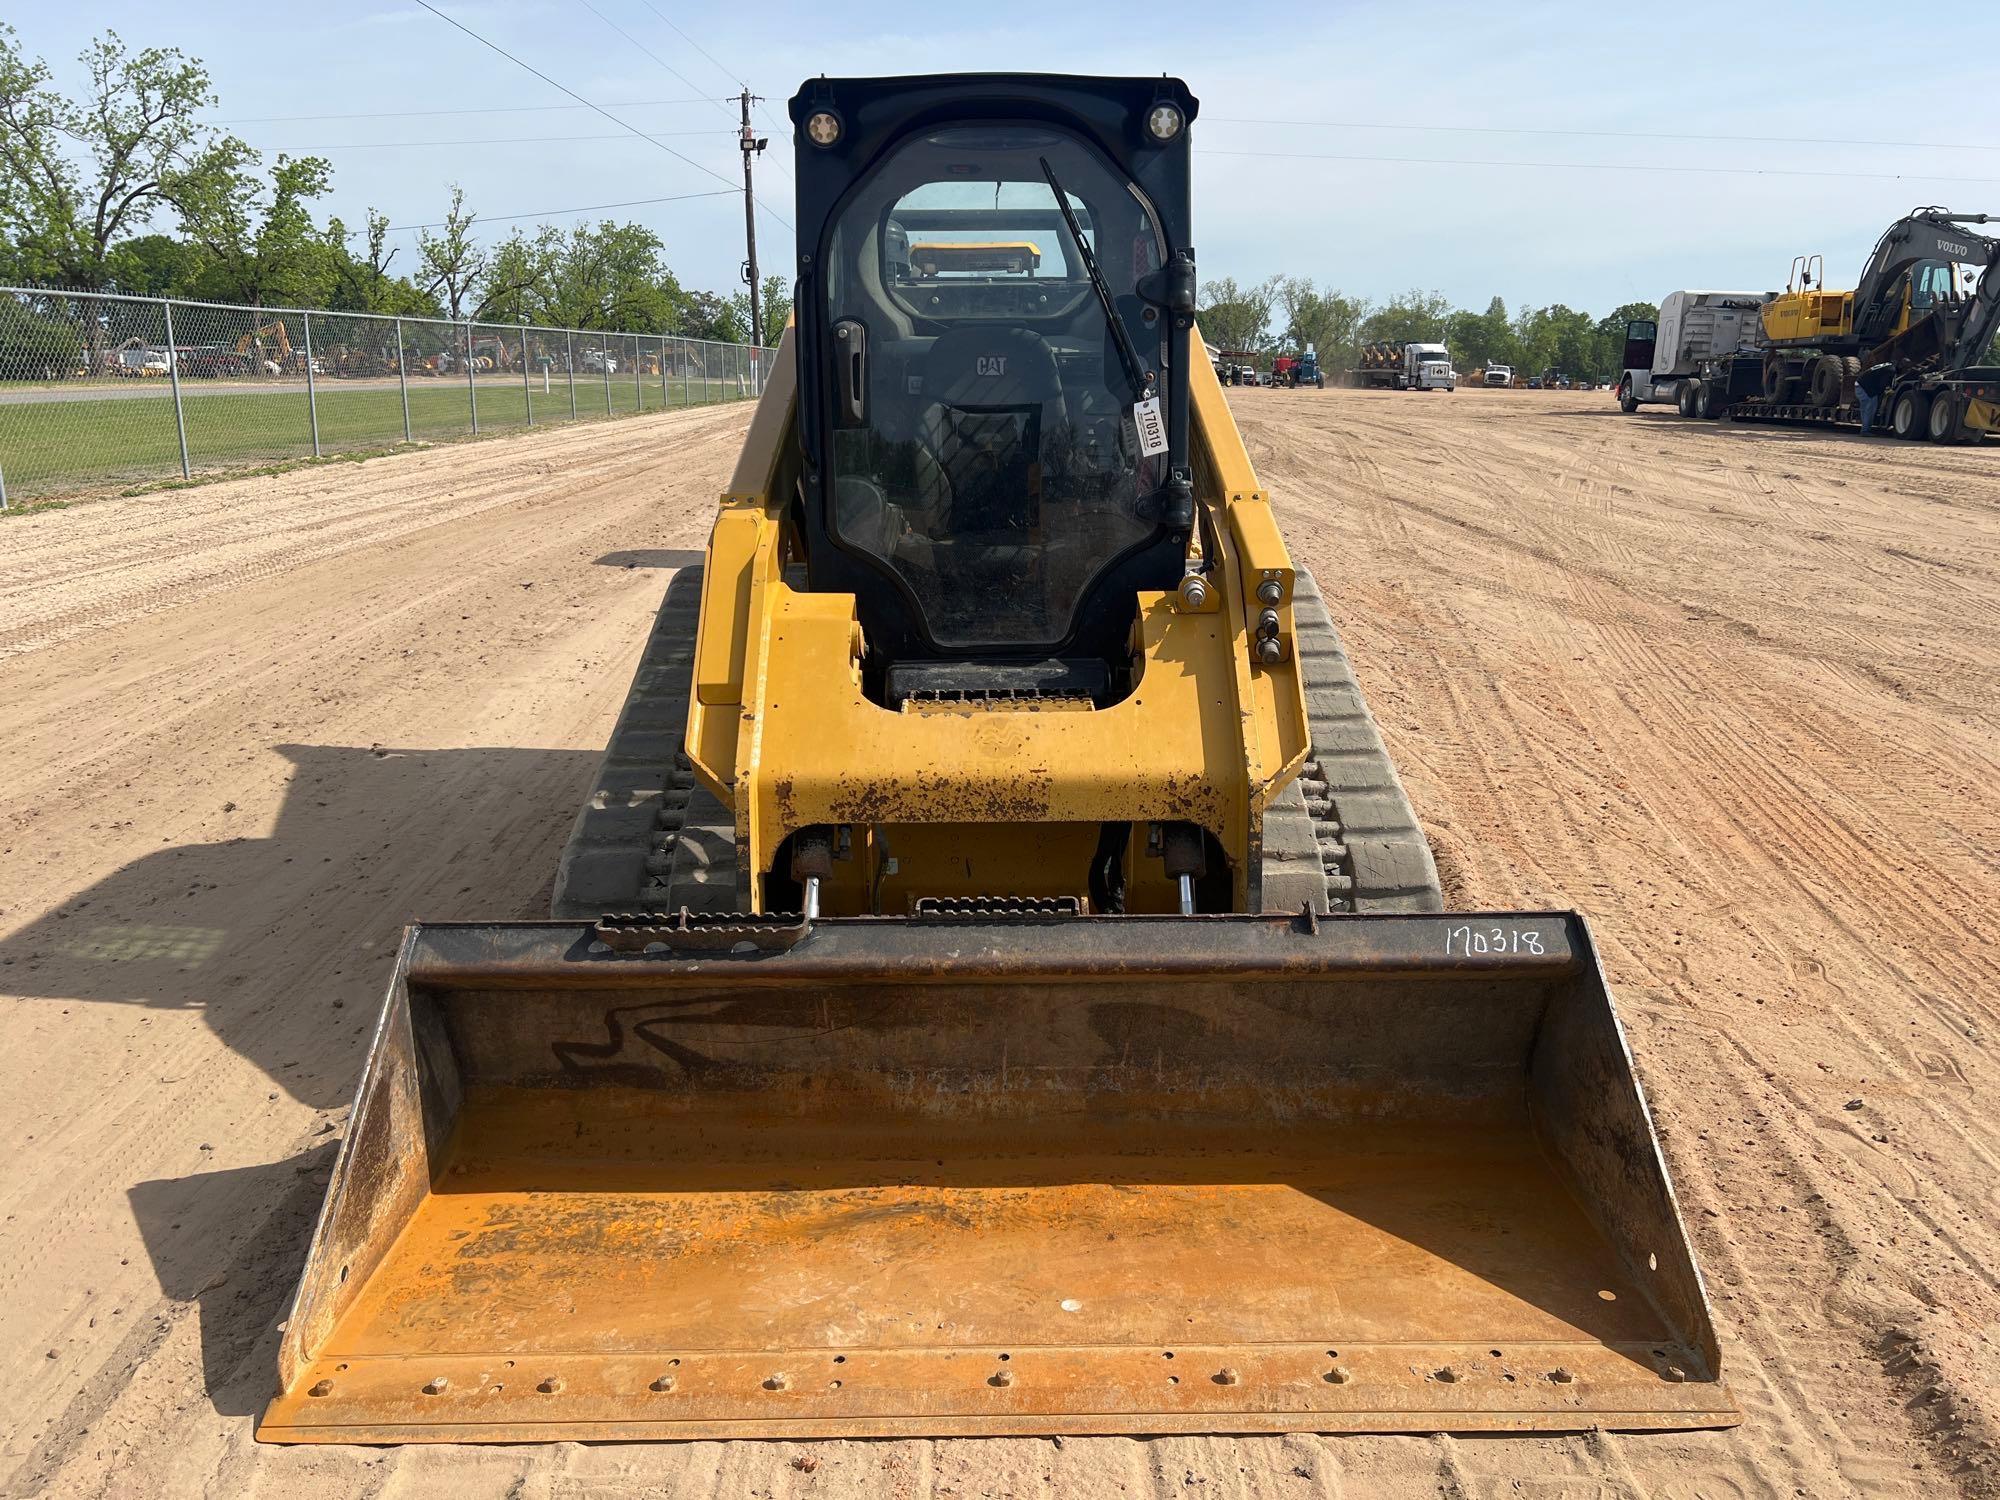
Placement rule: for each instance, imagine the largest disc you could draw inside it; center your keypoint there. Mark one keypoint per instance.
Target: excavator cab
(997, 983)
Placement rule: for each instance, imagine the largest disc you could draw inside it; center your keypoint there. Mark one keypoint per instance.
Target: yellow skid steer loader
(997, 984)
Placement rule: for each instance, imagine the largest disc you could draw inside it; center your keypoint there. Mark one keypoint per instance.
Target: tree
(516, 284)
(135, 125)
(1234, 317)
(453, 262)
(259, 233)
(1478, 340)
(156, 265)
(1611, 337)
(1415, 317)
(612, 276)
(1328, 320)
(707, 316)
(366, 285)
(777, 307)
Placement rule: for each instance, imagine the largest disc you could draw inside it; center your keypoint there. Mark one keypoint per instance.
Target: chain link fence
(99, 390)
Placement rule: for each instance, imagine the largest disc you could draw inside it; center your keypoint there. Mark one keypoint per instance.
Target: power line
(494, 140)
(1595, 166)
(558, 213)
(675, 71)
(783, 128)
(730, 73)
(639, 44)
(1616, 135)
(633, 129)
(498, 109)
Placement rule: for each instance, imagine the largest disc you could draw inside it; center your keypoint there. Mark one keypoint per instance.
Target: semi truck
(1709, 354)
(1406, 367)
(1664, 356)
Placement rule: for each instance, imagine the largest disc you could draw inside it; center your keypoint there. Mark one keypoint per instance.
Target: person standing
(1868, 392)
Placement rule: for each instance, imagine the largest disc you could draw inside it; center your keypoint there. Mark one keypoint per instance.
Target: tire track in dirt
(1760, 763)
(1613, 676)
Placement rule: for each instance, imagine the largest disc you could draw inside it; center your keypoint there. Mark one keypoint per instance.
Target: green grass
(60, 447)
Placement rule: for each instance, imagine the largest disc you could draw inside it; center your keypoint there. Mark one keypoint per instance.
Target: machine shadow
(650, 557)
(285, 943)
(242, 1292)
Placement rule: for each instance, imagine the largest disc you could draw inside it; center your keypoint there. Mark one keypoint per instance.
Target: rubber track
(648, 835)
(1347, 820)
(1341, 837)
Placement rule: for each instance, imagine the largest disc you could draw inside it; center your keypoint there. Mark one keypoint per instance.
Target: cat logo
(991, 364)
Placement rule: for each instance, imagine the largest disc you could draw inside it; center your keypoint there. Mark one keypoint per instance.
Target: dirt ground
(1731, 692)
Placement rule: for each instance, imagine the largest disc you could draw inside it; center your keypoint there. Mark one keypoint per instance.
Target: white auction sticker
(1152, 427)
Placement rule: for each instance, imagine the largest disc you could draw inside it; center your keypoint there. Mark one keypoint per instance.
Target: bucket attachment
(983, 1175)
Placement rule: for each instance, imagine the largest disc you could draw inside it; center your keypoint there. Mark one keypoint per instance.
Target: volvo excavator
(996, 983)
(1922, 268)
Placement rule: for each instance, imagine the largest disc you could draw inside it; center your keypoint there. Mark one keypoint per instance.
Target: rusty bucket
(1073, 1175)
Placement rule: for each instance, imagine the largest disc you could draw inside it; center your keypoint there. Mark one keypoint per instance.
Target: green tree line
(86, 183)
(1285, 313)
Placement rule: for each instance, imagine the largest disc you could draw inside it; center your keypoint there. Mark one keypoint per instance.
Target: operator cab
(994, 318)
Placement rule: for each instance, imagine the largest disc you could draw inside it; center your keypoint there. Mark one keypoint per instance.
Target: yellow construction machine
(997, 983)
(1926, 265)
(1021, 257)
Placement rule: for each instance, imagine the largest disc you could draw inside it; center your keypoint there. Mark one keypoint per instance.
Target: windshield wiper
(1141, 378)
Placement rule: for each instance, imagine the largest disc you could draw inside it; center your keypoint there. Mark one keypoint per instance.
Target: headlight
(824, 127)
(1165, 121)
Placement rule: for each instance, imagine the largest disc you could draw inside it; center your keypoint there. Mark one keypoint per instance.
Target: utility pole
(752, 143)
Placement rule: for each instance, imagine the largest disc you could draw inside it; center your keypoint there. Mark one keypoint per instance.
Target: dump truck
(997, 982)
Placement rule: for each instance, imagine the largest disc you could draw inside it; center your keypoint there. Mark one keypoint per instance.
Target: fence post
(174, 370)
(604, 353)
(312, 393)
(3, 486)
(687, 376)
(527, 391)
(569, 358)
(638, 379)
(664, 403)
(403, 380)
(471, 387)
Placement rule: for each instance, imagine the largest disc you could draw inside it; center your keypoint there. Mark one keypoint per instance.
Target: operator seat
(996, 417)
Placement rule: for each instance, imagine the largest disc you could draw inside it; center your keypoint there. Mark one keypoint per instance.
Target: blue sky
(1540, 150)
